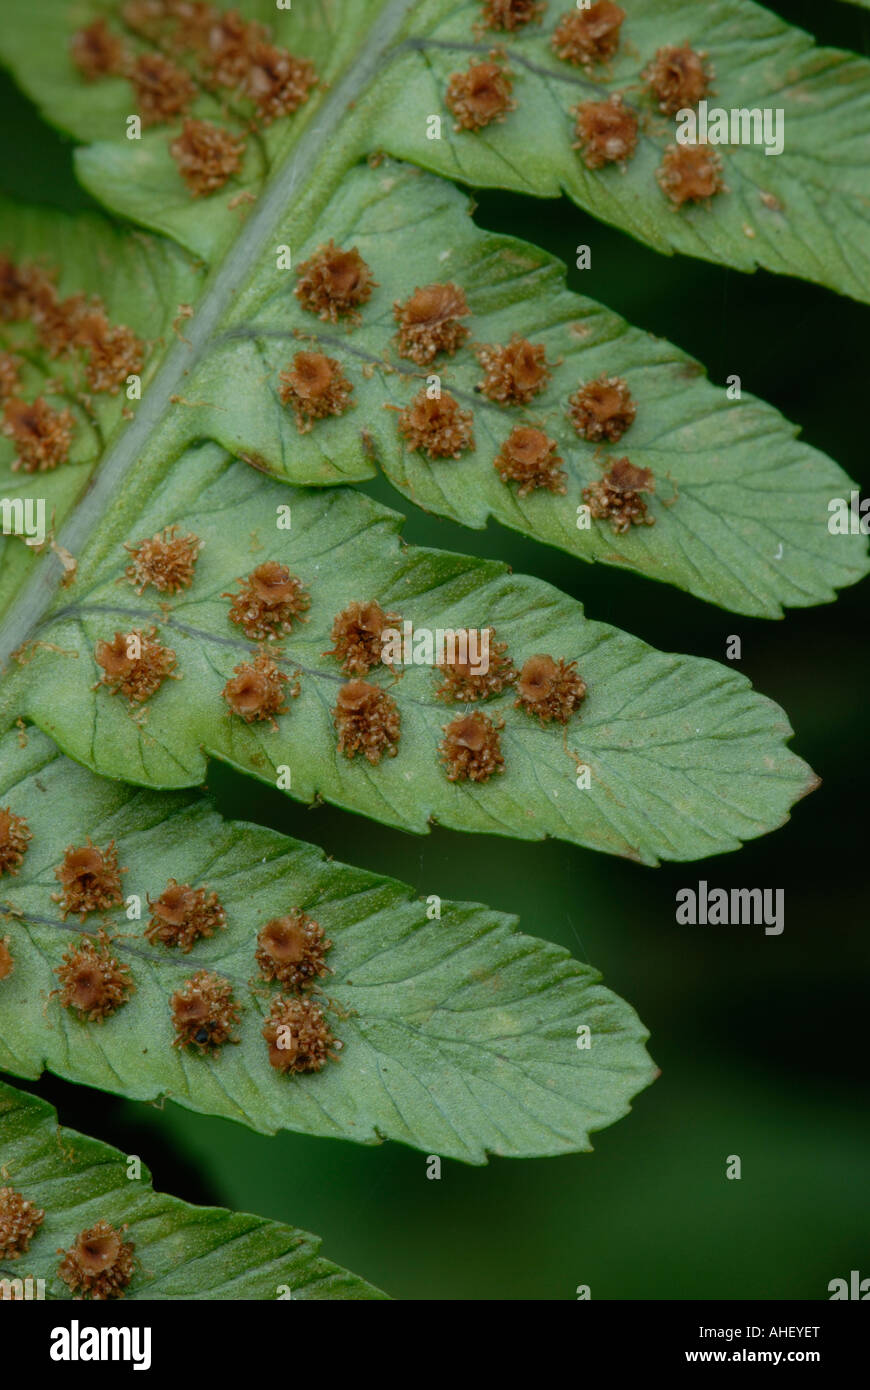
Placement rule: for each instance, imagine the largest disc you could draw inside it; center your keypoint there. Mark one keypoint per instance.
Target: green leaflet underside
(459, 1034)
(741, 506)
(683, 759)
(142, 281)
(802, 212)
(182, 1251)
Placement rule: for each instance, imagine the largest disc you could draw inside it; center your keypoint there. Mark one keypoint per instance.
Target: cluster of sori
(367, 720)
(93, 983)
(675, 79)
(174, 51)
(99, 1264)
(102, 354)
(335, 282)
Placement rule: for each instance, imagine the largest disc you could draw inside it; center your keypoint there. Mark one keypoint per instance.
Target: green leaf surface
(182, 1251)
(685, 760)
(803, 212)
(141, 280)
(459, 1035)
(741, 511)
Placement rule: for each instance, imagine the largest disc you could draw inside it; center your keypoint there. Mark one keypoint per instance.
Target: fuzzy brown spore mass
(511, 14)
(204, 1013)
(162, 89)
(7, 960)
(602, 409)
(617, 496)
(206, 156)
(461, 683)
(367, 721)
(166, 561)
(277, 82)
(135, 677)
(429, 322)
(20, 1220)
(292, 949)
(677, 78)
(690, 174)
(96, 51)
(479, 96)
(606, 132)
(99, 1264)
(10, 374)
(439, 427)
(93, 982)
(358, 636)
(298, 1036)
(528, 457)
(270, 601)
(41, 435)
(550, 689)
(182, 915)
(15, 835)
(515, 373)
(588, 37)
(471, 748)
(256, 691)
(90, 879)
(112, 351)
(333, 283)
(314, 387)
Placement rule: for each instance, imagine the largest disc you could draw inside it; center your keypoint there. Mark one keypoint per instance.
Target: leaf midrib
(226, 279)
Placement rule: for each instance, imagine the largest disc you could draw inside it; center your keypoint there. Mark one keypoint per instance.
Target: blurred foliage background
(762, 1041)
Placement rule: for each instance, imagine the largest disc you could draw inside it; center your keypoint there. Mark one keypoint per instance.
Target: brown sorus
(677, 77)
(276, 81)
(471, 748)
(429, 322)
(479, 96)
(96, 51)
(358, 636)
(528, 457)
(602, 409)
(271, 598)
(223, 40)
(90, 878)
(15, 835)
(587, 37)
(461, 681)
(181, 915)
(550, 689)
(334, 283)
(256, 690)
(292, 949)
(690, 174)
(298, 1037)
(514, 374)
(367, 720)
(41, 435)
(167, 561)
(511, 14)
(206, 155)
(439, 426)
(606, 132)
(136, 677)
(163, 90)
(20, 1219)
(93, 982)
(10, 367)
(616, 497)
(204, 1013)
(7, 960)
(20, 289)
(113, 351)
(314, 387)
(99, 1264)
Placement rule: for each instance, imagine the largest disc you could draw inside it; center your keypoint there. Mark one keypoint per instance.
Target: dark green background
(761, 1040)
